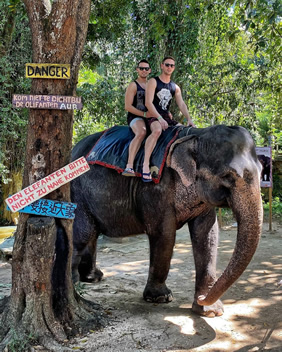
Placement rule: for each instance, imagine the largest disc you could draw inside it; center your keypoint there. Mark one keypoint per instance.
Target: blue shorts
(134, 120)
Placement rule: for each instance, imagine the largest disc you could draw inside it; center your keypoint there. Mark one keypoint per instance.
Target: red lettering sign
(48, 184)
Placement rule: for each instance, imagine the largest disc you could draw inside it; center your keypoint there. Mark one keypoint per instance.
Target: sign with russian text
(47, 207)
(59, 102)
(54, 71)
(47, 184)
(264, 155)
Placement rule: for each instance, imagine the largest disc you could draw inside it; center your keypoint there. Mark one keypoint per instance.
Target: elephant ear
(182, 158)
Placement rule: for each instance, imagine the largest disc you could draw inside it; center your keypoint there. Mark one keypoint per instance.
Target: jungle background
(228, 65)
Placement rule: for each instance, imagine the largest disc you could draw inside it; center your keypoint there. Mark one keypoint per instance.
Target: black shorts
(130, 118)
(170, 121)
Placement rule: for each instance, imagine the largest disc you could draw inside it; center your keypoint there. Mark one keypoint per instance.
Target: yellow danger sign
(54, 71)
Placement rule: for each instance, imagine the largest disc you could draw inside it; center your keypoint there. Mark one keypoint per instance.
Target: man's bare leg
(156, 131)
(139, 129)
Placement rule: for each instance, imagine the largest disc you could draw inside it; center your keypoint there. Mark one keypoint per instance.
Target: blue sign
(52, 208)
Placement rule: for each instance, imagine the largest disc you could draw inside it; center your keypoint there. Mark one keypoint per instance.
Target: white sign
(47, 184)
(59, 102)
(264, 155)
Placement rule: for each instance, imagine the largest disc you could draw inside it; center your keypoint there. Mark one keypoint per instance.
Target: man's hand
(148, 115)
(163, 123)
(189, 122)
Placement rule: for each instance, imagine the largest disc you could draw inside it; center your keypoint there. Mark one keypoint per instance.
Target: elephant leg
(76, 258)
(87, 267)
(161, 248)
(84, 249)
(204, 237)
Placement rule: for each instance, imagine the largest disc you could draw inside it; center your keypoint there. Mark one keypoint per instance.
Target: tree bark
(46, 305)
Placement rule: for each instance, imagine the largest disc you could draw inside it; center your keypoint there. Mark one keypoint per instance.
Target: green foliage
(261, 19)
(230, 82)
(276, 208)
(226, 216)
(85, 126)
(102, 98)
(103, 104)
(277, 186)
(108, 20)
(13, 122)
(20, 343)
(225, 77)
(80, 288)
(227, 56)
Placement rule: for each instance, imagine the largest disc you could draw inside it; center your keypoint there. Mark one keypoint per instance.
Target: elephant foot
(95, 275)
(214, 310)
(161, 294)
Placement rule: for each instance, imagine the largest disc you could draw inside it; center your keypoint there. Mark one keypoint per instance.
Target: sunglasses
(144, 68)
(171, 65)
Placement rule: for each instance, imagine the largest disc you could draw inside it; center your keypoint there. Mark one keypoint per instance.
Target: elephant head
(223, 167)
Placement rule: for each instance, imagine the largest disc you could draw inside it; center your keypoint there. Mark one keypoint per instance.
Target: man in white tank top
(159, 93)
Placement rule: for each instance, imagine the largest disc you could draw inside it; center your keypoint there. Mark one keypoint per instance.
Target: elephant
(205, 168)
(266, 167)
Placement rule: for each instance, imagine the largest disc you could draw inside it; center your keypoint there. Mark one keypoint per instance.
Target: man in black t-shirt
(135, 105)
(159, 93)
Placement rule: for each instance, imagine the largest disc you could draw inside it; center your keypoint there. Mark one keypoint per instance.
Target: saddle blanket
(111, 150)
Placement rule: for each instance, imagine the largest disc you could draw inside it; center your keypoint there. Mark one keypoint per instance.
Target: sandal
(146, 179)
(128, 172)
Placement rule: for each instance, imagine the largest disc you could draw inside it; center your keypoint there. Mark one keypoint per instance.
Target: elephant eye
(228, 180)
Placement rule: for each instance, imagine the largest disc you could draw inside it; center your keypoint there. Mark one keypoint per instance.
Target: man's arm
(150, 92)
(182, 106)
(129, 97)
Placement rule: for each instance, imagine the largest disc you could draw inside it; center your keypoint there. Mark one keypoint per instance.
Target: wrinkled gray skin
(211, 167)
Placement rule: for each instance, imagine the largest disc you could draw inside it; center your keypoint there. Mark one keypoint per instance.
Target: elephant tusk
(205, 301)
(201, 299)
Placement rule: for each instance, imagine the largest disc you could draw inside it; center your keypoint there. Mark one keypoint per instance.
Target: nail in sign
(47, 184)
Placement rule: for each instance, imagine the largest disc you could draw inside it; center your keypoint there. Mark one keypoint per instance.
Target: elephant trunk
(247, 208)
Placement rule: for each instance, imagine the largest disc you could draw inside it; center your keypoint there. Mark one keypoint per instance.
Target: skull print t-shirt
(163, 94)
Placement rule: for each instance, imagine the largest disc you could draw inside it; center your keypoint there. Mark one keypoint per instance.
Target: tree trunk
(43, 302)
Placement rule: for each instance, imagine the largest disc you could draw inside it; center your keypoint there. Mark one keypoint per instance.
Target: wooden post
(219, 218)
(270, 208)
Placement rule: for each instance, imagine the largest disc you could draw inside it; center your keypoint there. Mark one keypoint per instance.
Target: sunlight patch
(176, 261)
(222, 345)
(247, 308)
(181, 250)
(186, 324)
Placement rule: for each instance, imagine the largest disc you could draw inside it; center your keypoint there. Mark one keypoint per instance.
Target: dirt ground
(253, 305)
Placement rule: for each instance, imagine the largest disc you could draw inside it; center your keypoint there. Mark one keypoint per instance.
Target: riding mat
(111, 150)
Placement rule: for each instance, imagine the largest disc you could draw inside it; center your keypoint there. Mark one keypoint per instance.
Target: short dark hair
(168, 57)
(143, 60)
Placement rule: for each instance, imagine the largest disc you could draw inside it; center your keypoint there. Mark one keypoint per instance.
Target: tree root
(44, 307)
(86, 315)
(37, 327)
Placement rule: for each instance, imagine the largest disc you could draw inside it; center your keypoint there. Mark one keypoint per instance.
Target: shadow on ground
(253, 305)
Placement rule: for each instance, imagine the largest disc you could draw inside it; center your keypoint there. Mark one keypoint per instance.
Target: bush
(276, 208)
